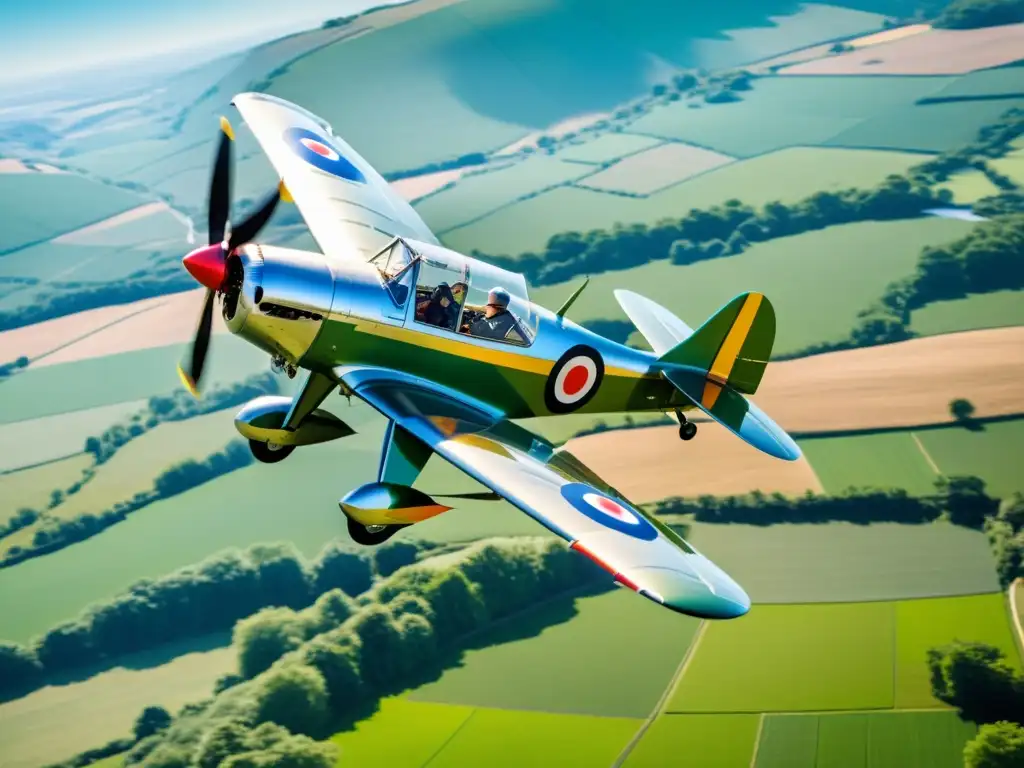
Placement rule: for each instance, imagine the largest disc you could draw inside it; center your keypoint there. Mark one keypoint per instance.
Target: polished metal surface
(282, 300)
(262, 419)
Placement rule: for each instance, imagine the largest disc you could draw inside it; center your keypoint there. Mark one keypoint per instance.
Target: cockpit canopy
(452, 290)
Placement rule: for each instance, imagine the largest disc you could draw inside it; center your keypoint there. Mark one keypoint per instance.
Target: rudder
(733, 346)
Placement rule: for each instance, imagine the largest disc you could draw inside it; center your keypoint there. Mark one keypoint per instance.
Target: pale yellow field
(134, 214)
(31, 488)
(933, 52)
(417, 186)
(563, 128)
(134, 467)
(889, 35)
(652, 463)
(170, 320)
(902, 384)
(57, 722)
(655, 168)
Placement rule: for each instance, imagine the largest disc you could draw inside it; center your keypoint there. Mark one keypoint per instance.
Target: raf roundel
(574, 379)
(609, 512)
(318, 151)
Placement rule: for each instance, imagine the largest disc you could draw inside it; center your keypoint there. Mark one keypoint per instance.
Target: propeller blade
(220, 186)
(192, 371)
(248, 229)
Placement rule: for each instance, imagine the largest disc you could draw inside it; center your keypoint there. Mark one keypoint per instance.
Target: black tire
(264, 453)
(687, 430)
(361, 535)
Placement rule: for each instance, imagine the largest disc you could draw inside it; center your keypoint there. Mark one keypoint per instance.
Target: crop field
(607, 147)
(885, 460)
(981, 310)
(652, 464)
(56, 722)
(1012, 165)
(845, 562)
(792, 658)
(789, 176)
(119, 378)
(477, 195)
(970, 186)
(551, 660)
(136, 465)
(988, 82)
(29, 442)
(31, 488)
(509, 739)
(926, 128)
(147, 223)
(788, 111)
(654, 169)
(937, 51)
(711, 741)
(841, 271)
(992, 453)
(876, 739)
(63, 262)
(924, 624)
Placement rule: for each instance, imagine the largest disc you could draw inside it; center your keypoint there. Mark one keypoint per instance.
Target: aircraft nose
(706, 591)
(208, 265)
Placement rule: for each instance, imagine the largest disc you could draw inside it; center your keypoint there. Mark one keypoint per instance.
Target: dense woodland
(973, 14)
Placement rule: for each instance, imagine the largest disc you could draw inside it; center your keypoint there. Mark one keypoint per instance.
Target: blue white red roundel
(319, 152)
(574, 379)
(609, 512)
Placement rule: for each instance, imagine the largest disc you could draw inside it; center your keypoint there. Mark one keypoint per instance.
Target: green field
(31, 488)
(875, 739)
(844, 562)
(792, 658)
(401, 734)
(136, 465)
(885, 460)
(711, 741)
(607, 147)
(789, 176)
(38, 206)
(1012, 165)
(28, 442)
(477, 195)
(980, 310)
(987, 82)
(58, 721)
(970, 186)
(991, 453)
(121, 378)
(788, 112)
(817, 281)
(555, 659)
(510, 739)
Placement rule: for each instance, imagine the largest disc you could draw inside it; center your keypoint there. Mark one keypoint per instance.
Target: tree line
(210, 596)
(303, 672)
(973, 14)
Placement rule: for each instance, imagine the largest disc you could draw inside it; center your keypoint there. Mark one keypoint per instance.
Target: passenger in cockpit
(442, 308)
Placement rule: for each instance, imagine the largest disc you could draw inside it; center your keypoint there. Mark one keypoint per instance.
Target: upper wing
(350, 209)
(554, 488)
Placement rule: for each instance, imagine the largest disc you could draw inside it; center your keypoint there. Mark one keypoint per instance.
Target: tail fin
(724, 357)
(733, 347)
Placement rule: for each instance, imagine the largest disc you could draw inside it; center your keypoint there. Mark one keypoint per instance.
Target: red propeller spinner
(208, 265)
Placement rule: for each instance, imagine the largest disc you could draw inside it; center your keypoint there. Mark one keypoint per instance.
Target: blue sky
(42, 37)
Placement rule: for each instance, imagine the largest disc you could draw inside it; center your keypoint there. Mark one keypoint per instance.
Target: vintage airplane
(451, 350)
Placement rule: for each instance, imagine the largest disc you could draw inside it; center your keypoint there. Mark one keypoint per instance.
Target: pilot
(496, 320)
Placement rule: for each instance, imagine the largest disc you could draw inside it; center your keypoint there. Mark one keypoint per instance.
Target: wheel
(269, 453)
(687, 430)
(371, 535)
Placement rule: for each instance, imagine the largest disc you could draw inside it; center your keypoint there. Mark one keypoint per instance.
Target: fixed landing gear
(687, 429)
(371, 535)
(269, 453)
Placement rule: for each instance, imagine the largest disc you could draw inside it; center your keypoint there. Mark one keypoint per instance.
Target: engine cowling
(389, 504)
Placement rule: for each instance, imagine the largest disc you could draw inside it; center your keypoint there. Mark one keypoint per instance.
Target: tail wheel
(269, 453)
(371, 535)
(687, 430)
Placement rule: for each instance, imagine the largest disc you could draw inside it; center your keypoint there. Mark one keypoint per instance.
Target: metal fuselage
(320, 314)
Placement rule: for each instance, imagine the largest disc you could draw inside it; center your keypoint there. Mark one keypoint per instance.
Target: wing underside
(556, 490)
(350, 209)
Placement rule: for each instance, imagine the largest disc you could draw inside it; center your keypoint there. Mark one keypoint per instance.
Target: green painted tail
(733, 346)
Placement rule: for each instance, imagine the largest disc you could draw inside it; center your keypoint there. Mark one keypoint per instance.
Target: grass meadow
(711, 741)
(980, 310)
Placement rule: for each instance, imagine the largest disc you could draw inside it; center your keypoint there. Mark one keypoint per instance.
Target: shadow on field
(135, 662)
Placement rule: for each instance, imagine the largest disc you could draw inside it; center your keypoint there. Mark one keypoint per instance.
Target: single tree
(961, 409)
(997, 745)
(151, 721)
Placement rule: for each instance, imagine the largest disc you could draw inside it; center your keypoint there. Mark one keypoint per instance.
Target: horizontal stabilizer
(737, 414)
(661, 328)
(733, 346)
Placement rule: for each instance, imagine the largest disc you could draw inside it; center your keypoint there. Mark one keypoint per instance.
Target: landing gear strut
(269, 453)
(687, 429)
